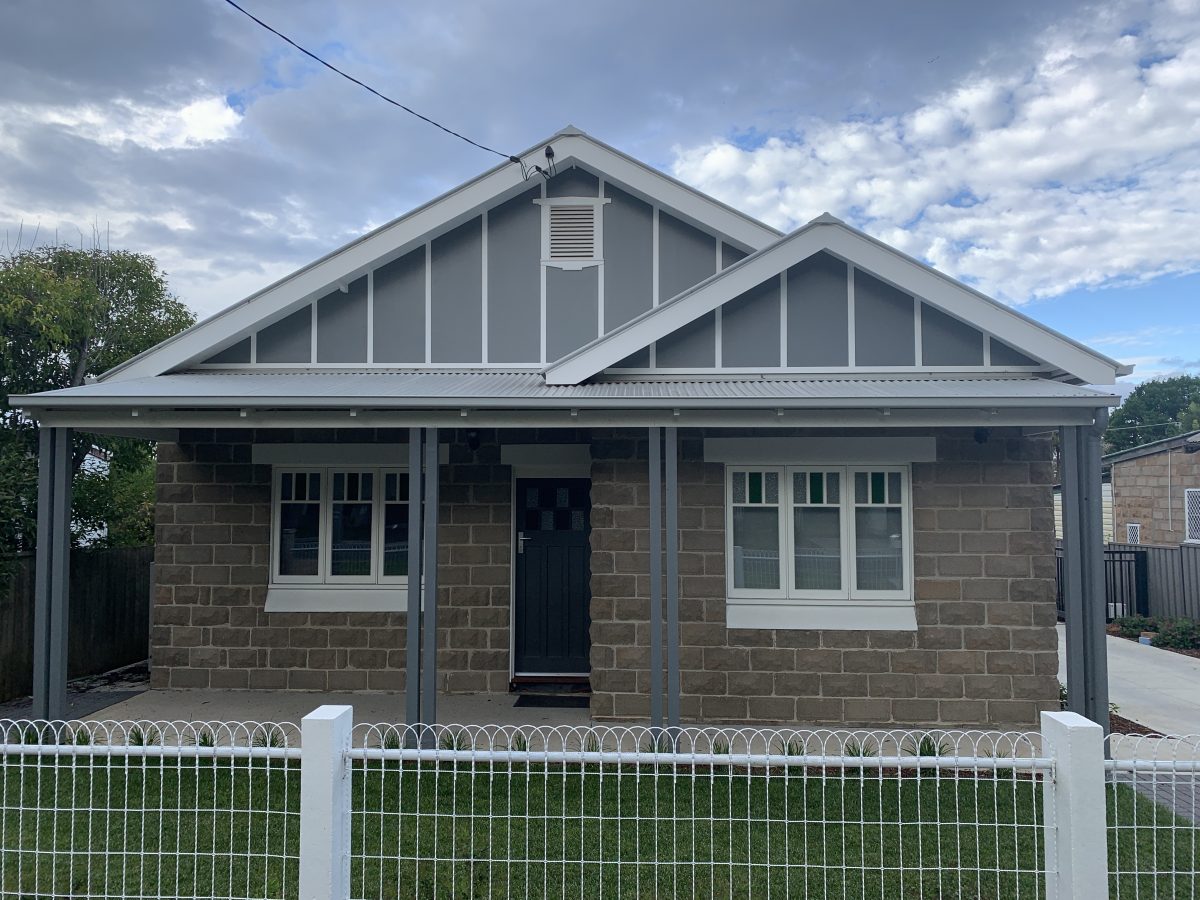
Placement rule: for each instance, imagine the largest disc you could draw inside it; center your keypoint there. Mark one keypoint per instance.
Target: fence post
(325, 803)
(1073, 809)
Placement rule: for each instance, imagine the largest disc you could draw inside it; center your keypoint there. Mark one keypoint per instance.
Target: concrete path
(1155, 688)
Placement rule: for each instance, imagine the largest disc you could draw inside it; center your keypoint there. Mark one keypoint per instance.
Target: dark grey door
(552, 577)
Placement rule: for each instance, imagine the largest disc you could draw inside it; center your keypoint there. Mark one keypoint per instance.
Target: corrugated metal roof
(516, 390)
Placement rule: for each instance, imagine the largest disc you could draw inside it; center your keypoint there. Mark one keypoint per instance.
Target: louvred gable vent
(572, 232)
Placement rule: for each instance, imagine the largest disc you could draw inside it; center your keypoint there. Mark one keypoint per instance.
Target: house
(1156, 491)
(1106, 499)
(716, 472)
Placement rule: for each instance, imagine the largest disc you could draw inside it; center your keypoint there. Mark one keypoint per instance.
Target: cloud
(1142, 337)
(1079, 169)
(201, 121)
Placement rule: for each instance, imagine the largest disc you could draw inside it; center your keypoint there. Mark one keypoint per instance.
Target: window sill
(842, 615)
(335, 598)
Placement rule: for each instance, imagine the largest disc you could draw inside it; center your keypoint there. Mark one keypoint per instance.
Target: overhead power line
(364, 85)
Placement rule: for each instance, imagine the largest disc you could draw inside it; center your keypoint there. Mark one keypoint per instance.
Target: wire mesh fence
(170, 809)
(1153, 807)
(628, 812)
(149, 809)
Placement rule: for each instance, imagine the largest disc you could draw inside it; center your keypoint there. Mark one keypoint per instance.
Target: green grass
(452, 833)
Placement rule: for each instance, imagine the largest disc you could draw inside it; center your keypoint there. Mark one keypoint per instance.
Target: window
(340, 526)
(819, 533)
(1191, 514)
(1133, 533)
(571, 234)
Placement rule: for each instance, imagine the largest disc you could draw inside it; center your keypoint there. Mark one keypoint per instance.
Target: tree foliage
(1153, 411)
(67, 315)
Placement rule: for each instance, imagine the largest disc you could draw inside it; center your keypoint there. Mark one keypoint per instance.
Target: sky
(1046, 152)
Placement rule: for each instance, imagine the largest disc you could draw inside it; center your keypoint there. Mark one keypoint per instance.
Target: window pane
(877, 488)
(339, 486)
(756, 548)
(739, 487)
(395, 538)
(833, 487)
(285, 486)
(816, 487)
(894, 487)
(860, 487)
(299, 537)
(314, 485)
(351, 539)
(878, 554)
(772, 482)
(800, 487)
(756, 487)
(818, 549)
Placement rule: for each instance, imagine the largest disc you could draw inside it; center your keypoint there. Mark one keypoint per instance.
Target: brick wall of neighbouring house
(212, 551)
(1149, 490)
(985, 650)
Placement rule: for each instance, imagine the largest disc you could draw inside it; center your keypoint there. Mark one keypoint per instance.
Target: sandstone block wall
(1150, 490)
(985, 651)
(213, 535)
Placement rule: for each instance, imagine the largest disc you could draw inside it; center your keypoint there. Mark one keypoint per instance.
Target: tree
(67, 315)
(1153, 411)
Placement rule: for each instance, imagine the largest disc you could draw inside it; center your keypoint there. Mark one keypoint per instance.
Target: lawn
(224, 829)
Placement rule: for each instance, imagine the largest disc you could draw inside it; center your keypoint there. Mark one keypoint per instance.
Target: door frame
(536, 461)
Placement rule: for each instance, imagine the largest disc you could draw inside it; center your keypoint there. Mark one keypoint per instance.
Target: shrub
(1133, 626)
(1178, 634)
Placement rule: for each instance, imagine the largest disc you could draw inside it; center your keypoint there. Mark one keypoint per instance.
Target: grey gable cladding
(483, 293)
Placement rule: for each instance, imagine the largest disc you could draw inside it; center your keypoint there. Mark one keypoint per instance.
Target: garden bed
(1180, 636)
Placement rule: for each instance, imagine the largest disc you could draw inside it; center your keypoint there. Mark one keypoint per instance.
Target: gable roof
(1072, 359)
(438, 215)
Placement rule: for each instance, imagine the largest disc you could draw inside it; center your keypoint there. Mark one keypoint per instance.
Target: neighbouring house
(1106, 499)
(632, 438)
(1156, 491)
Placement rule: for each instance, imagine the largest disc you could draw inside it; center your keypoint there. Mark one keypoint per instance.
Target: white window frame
(847, 607)
(324, 579)
(1190, 536)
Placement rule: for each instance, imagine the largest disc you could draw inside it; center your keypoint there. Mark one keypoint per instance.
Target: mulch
(1121, 725)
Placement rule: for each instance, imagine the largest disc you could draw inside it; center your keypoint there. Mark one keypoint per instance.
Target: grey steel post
(42, 578)
(1095, 599)
(430, 569)
(52, 574)
(412, 684)
(1071, 586)
(672, 525)
(655, 460)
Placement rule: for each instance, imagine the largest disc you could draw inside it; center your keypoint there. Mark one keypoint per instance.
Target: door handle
(521, 539)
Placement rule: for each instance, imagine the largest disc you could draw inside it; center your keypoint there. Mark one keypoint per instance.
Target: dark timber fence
(109, 623)
(1149, 580)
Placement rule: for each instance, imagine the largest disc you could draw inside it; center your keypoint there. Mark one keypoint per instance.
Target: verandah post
(325, 803)
(1073, 808)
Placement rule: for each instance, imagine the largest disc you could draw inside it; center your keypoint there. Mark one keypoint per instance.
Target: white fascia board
(114, 422)
(906, 273)
(439, 215)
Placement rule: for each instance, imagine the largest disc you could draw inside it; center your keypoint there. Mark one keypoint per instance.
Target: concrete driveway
(1155, 688)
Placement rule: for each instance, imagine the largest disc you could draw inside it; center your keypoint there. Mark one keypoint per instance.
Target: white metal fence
(122, 809)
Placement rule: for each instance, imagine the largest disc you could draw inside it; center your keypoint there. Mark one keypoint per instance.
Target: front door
(553, 557)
